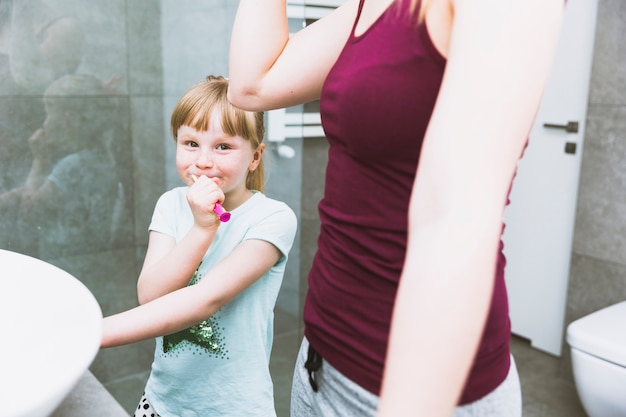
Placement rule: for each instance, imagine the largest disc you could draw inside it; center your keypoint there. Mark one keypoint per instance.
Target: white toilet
(598, 346)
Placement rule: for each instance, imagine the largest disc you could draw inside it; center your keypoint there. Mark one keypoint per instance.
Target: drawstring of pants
(313, 363)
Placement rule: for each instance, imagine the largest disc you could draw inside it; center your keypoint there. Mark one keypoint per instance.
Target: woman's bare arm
(268, 68)
(499, 59)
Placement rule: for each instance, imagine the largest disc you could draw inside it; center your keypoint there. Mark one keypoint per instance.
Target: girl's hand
(202, 196)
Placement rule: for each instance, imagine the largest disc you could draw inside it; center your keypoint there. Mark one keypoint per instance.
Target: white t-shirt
(221, 366)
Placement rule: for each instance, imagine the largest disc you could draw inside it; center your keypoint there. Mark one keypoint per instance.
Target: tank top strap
(357, 18)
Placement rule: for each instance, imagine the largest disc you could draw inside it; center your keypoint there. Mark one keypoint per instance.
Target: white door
(540, 219)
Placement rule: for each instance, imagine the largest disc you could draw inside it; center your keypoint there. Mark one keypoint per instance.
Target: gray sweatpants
(340, 397)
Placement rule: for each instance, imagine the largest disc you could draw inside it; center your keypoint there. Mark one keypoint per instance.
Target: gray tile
(532, 408)
(594, 284)
(144, 47)
(545, 392)
(113, 364)
(105, 52)
(282, 363)
(288, 302)
(608, 78)
(201, 48)
(127, 391)
(285, 321)
(111, 276)
(148, 154)
(600, 222)
(89, 397)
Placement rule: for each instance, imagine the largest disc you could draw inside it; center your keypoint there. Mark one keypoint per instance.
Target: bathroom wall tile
(95, 44)
(201, 48)
(600, 222)
(314, 169)
(119, 145)
(282, 183)
(171, 174)
(608, 79)
(44, 42)
(288, 301)
(105, 51)
(148, 153)
(111, 276)
(285, 321)
(116, 363)
(282, 174)
(144, 47)
(20, 117)
(594, 284)
(86, 213)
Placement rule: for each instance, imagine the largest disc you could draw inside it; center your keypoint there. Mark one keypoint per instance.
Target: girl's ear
(257, 157)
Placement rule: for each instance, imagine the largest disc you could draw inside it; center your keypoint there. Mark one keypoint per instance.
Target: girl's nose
(204, 160)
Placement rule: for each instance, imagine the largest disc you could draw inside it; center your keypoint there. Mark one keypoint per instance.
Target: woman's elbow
(243, 96)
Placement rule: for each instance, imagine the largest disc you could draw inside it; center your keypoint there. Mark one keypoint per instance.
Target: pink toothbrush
(217, 209)
(221, 213)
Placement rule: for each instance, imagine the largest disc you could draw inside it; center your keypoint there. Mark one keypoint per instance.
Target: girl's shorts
(144, 409)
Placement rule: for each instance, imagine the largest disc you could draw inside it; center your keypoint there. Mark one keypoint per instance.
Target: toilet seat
(601, 334)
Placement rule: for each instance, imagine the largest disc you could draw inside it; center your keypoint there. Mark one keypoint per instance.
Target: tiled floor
(281, 366)
(546, 391)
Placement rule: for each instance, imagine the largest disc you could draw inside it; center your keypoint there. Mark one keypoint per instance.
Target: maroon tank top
(375, 105)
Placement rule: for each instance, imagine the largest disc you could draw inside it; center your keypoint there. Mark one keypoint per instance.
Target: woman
(426, 107)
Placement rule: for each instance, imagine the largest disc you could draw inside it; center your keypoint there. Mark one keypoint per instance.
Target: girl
(207, 289)
(426, 106)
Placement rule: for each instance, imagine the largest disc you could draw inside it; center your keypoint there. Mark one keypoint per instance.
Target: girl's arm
(184, 307)
(499, 59)
(268, 69)
(169, 265)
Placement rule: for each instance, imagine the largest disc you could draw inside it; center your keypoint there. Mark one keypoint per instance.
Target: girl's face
(215, 154)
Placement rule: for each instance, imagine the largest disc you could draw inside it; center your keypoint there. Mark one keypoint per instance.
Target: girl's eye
(192, 144)
(223, 147)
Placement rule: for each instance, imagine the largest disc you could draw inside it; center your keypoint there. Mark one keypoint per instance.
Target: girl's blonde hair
(197, 105)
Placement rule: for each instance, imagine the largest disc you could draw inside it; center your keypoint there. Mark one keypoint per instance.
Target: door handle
(570, 127)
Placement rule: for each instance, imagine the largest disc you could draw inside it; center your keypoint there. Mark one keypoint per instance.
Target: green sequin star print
(205, 336)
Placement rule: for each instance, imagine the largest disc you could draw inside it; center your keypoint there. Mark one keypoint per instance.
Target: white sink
(50, 332)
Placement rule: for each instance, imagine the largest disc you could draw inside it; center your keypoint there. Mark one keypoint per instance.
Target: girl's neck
(236, 198)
